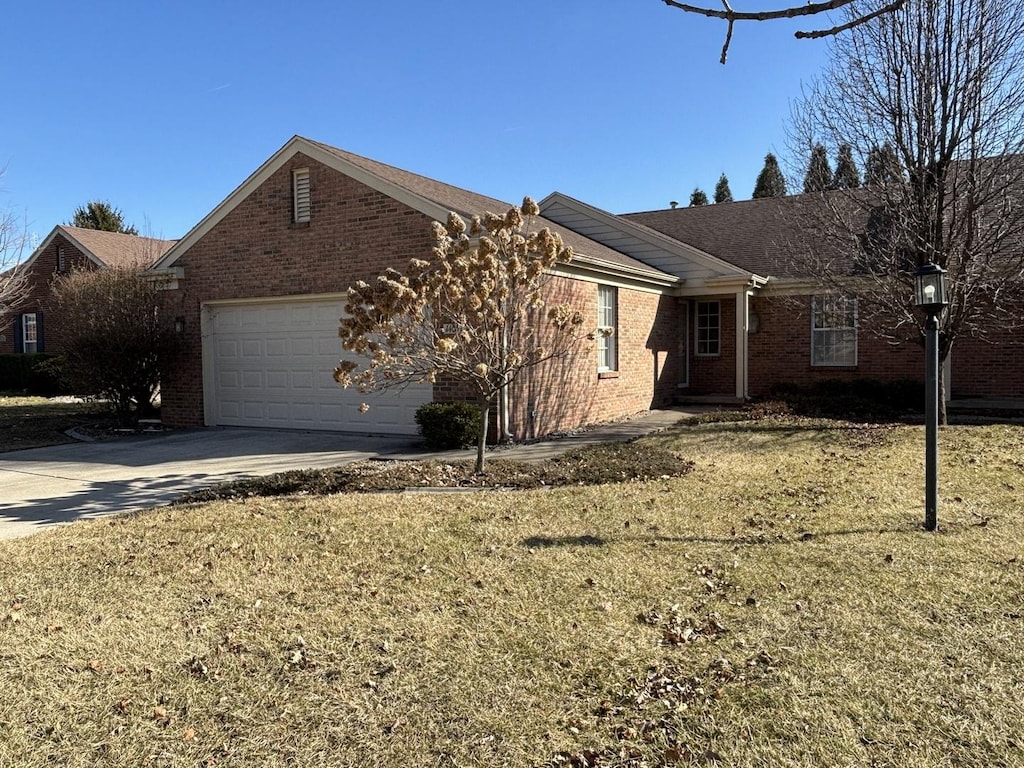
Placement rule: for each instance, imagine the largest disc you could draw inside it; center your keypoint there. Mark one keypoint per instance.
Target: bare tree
(475, 314)
(940, 83)
(14, 284)
(731, 16)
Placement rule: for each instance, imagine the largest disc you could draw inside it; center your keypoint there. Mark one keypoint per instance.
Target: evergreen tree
(697, 197)
(770, 181)
(99, 214)
(846, 176)
(819, 173)
(882, 166)
(722, 192)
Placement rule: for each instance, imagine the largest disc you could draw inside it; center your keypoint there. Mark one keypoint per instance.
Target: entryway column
(742, 326)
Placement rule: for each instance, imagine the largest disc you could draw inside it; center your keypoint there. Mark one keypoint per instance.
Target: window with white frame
(29, 333)
(833, 330)
(709, 328)
(300, 194)
(607, 327)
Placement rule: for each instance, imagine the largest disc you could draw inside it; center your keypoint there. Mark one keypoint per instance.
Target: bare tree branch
(14, 285)
(809, 9)
(855, 22)
(938, 84)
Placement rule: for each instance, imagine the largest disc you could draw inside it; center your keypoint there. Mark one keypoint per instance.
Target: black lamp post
(930, 297)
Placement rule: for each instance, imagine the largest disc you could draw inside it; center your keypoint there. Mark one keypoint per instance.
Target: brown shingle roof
(468, 203)
(115, 249)
(756, 235)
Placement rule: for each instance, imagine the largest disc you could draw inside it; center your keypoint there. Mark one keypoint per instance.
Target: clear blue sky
(163, 108)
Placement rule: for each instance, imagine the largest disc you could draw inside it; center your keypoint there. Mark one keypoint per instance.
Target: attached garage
(269, 363)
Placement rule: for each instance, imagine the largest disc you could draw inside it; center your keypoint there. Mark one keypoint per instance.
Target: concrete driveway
(48, 486)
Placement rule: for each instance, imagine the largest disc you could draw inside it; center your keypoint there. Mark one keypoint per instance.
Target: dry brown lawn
(777, 606)
(35, 422)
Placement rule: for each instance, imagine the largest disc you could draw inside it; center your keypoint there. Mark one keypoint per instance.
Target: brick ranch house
(257, 288)
(62, 251)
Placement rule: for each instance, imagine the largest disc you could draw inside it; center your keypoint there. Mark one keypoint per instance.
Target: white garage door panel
(273, 364)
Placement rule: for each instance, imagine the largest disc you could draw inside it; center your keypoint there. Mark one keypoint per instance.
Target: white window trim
(607, 328)
(302, 203)
(28, 321)
(697, 329)
(815, 332)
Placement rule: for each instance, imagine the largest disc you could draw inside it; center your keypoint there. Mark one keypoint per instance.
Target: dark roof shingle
(756, 235)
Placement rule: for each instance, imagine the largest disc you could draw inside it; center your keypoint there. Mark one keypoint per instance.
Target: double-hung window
(709, 328)
(833, 330)
(29, 333)
(607, 327)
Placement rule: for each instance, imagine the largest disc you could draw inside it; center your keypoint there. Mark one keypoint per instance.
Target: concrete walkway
(43, 487)
(541, 450)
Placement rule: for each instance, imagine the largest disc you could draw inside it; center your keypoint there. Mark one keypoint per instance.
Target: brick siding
(568, 393)
(993, 367)
(39, 299)
(780, 350)
(256, 251)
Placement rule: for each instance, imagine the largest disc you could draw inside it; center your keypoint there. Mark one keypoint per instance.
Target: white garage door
(271, 365)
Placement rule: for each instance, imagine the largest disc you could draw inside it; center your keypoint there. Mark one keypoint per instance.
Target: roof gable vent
(300, 193)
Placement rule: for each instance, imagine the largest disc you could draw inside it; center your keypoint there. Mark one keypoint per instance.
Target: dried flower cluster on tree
(475, 314)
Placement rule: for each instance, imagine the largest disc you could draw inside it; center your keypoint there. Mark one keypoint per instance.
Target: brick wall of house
(780, 350)
(570, 392)
(990, 368)
(714, 374)
(39, 299)
(354, 233)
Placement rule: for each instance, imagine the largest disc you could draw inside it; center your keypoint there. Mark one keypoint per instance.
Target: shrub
(115, 342)
(859, 399)
(448, 425)
(33, 374)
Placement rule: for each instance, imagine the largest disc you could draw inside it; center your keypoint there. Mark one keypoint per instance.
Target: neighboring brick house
(699, 300)
(31, 327)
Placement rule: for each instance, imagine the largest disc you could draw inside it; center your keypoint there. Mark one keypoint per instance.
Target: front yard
(35, 422)
(777, 605)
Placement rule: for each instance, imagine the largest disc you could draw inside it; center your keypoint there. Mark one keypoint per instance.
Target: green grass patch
(779, 605)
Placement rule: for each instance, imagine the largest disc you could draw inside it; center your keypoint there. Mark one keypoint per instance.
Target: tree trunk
(481, 446)
(943, 415)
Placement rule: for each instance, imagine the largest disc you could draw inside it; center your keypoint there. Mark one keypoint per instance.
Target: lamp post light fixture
(930, 297)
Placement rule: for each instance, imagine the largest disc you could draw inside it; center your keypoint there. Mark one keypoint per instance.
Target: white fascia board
(723, 285)
(748, 280)
(802, 286)
(291, 298)
(294, 146)
(597, 271)
(648, 235)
